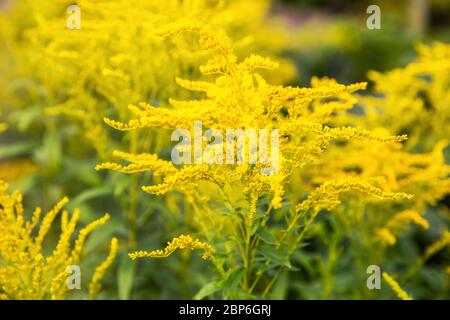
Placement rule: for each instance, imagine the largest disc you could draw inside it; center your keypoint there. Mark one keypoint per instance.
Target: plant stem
(132, 223)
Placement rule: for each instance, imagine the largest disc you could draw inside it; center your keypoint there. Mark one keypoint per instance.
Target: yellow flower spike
(194, 85)
(180, 242)
(3, 127)
(60, 254)
(30, 225)
(37, 275)
(186, 174)
(95, 284)
(140, 162)
(208, 40)
(258, 62)
(327, 195)
(401, 294)
(58, 285)
(79, 243)
(437, 246)
(401, 218)
(386, 236)
(47, 222)
(133, 124)
(252, 209)
(64, 220)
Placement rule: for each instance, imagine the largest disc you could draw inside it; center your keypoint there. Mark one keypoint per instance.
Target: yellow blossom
(386, 236)
(401, 294)
(437, 246)
(25, 272)
(180, 242)
(94, 286)
(399, 220)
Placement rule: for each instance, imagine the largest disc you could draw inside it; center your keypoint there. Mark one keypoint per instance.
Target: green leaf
(89, 194)
(50, 154)
(225, 211)
(232, 281)
(125, 277)
(280, 288)
(120, 185)
(104, 234)
(266, 236)
(207, 290)
(25, 117)
(16, 149)
(278, 256)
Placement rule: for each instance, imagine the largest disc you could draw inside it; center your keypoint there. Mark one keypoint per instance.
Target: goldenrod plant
(113, 60)
(227, 172)
(26, 270)
(413, 99)
(401, 294)
(240, 98)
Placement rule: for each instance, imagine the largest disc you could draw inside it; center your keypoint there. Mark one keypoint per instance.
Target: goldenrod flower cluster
(116, 59)
(241, 98)
(414, 99)
(26, 272)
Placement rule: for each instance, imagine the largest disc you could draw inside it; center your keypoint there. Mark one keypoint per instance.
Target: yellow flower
(110, 75)
(437, 246)
(240, 98)
(327, 195)
(386, 236)
(396, 287)
(25, 272)
(414, 98)
(400, 219)
(180, 242)
(14, 170)
(95, 285)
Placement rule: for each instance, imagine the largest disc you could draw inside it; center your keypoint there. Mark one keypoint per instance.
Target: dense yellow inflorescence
(413, 99)
(95, 285)
(25, 271)
(181, 242)
(116, 59)
(240, 98)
